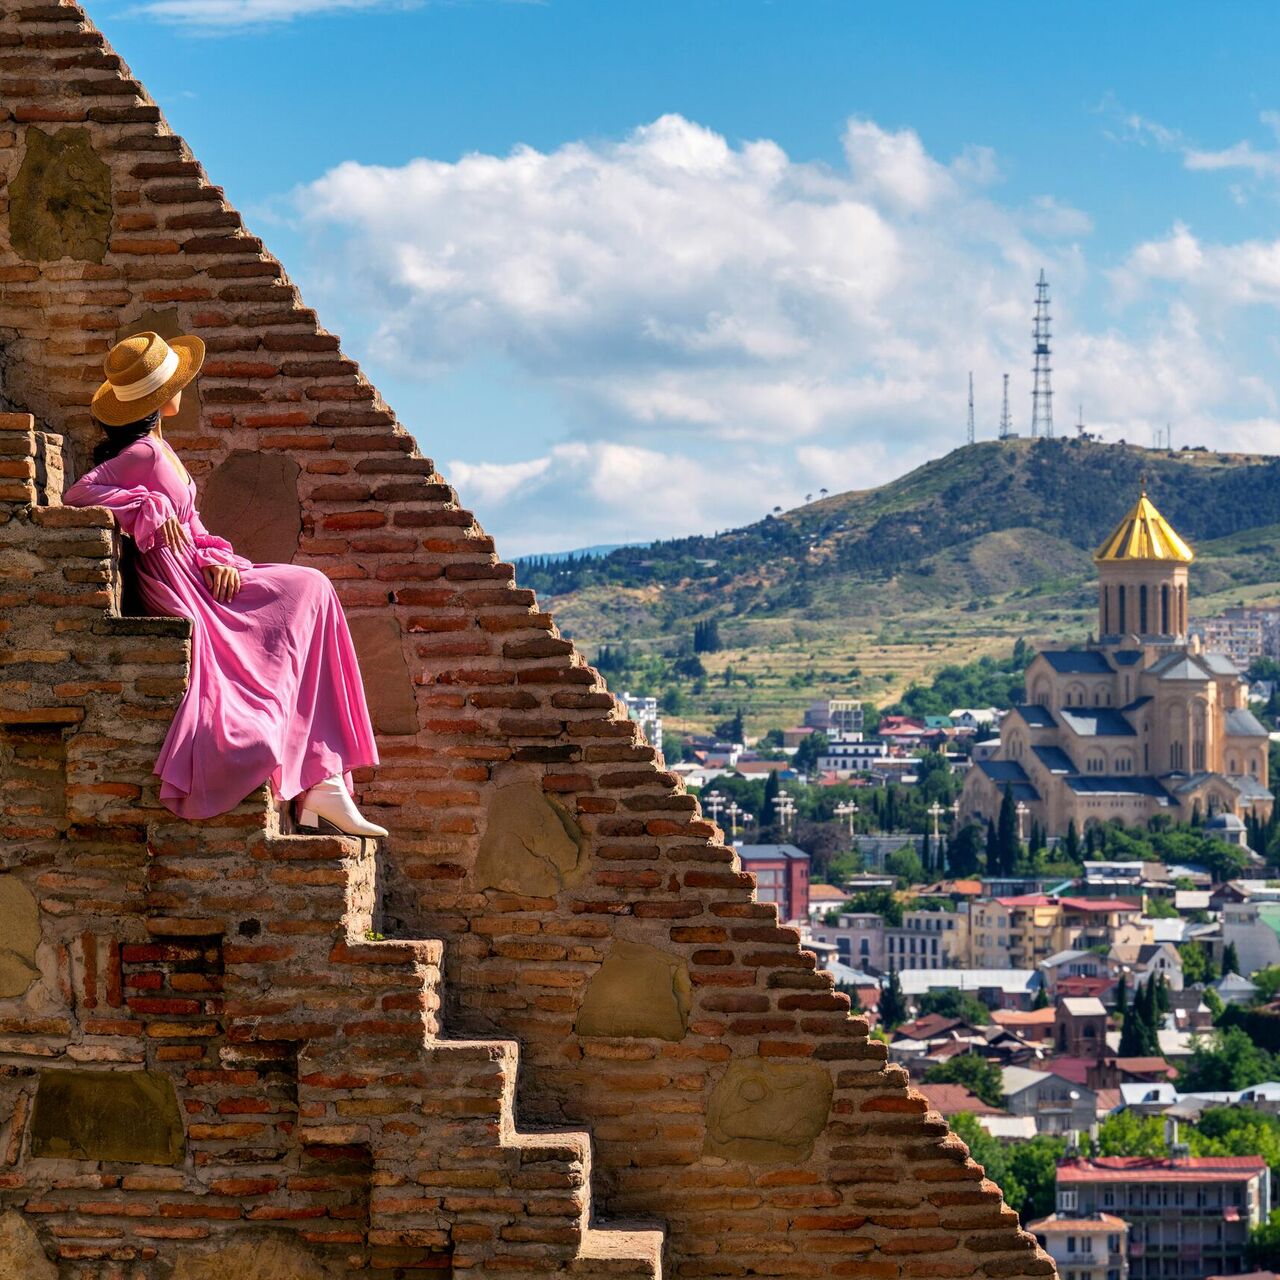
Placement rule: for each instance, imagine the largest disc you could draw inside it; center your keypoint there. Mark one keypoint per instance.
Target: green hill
(955, 559)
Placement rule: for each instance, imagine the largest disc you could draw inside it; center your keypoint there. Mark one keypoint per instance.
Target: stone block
(531, 844)
(251, 499)
(127, 1116)
(639, 992)
(19, 937)
(21, 1257)
(60, 201)
(768, 1112)
(253, 1255)
(388, 686)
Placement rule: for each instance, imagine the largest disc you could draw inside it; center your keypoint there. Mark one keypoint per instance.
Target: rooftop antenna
(1041, 394)
(1006, 424)
(971, 407)
(1080, 422)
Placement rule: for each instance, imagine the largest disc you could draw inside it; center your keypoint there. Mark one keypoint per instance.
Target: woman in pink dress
(275, 693)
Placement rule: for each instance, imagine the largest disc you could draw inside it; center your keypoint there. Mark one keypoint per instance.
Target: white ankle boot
(329, 804)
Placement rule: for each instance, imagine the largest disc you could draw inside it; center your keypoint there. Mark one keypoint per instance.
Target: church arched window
(1142, 610)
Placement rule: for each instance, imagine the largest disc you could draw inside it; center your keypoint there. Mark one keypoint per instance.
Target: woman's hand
(223, 582)
(173, 534)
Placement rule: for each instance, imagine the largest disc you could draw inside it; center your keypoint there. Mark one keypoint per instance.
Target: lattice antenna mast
(1006, 423)
(1041, 392)
(971, 434)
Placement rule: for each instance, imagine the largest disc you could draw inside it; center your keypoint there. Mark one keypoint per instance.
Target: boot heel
(309, 820)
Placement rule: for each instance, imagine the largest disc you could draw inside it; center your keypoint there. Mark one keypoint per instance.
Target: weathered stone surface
(530, 845)
(167, 325)
(253, 1256)
(19, 936)
(21, 1257)
(130, 1116)
(388, 687)
(251, 499)
(638, 991)
(60, 200)
(768, 1112)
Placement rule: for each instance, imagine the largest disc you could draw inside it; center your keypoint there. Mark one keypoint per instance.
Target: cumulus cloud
(725, 328)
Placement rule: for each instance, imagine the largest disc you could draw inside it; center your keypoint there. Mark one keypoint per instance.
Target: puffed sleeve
(210, 549)
(125, 486)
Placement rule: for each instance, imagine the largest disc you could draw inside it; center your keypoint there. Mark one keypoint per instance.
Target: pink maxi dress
(275, 693)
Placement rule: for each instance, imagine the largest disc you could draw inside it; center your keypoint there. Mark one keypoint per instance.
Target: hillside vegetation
(864, 592)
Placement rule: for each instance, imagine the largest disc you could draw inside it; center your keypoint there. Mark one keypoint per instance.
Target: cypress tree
(771, 788)
(1007, 833)
(1122, 994)
(893, 1004)
(1230, 959)
(993, 849)
(1073, 842)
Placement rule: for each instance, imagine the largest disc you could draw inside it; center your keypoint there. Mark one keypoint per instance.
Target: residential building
(844, 757)
(858, 937)
(1188, 1216)
(928, 940)
(644, 711)
(1080, 1026)
(1254, 929)
(1093, 1248)
(1065, 965)
(782, 876)
(1059, 1105)
(1143, 721)
(1242, 633)
(1138, 963)
(1233, 989)
(996, 988)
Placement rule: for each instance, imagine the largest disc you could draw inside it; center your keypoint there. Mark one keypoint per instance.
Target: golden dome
(1144, 534)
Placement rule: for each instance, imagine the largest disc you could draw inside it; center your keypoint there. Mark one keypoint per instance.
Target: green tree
(979, 1075)
(1197, 963)
(772, 785)
(964, 850)
(1126, 1133)
(1007, 833)
(1226, 1060)
(1236, 1131)
(893, 1003)
(905, 864)
(1263, 1248)
(881, 902)
(1268, 983)
(1230, 959)
(1034, 1166)
(1122, 995)
(1071, 847)
(992, 1154)
(1042, 999)
(951, 1003)
(1213, 1002)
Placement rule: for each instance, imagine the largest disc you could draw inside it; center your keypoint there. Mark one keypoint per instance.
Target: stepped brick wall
(543, 1028)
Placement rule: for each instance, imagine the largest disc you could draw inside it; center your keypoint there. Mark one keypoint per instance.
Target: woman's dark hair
(117, 439)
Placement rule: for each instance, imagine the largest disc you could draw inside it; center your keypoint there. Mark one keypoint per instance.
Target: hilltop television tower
(1006, 423)
(1041, 394)
(970, 408)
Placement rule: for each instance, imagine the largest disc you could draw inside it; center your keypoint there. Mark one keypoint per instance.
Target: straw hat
(144, 372)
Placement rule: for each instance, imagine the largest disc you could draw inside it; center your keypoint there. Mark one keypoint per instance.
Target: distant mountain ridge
(995, 516)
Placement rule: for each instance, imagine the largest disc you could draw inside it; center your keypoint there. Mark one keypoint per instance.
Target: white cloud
(725, 328)
(222, 16)
(1224, 275)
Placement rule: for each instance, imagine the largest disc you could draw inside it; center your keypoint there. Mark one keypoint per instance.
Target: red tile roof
(1099, 904)
(1074, 1069)
(951, 1099)
(1103, 1222)
(1147, 1169)
(1144, 1066)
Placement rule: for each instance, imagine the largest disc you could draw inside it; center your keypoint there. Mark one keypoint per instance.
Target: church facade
(1137, 723)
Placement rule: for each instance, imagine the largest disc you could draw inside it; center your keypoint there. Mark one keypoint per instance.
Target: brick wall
(576, 900)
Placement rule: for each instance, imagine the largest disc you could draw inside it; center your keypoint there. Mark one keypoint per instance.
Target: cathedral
(1139, 722)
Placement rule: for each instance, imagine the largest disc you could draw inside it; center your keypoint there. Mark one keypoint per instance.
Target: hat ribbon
(153, 381)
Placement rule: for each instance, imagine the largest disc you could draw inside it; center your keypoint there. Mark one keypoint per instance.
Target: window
(1067, 1199)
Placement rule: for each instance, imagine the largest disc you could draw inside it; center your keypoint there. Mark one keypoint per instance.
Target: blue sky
(638, 270)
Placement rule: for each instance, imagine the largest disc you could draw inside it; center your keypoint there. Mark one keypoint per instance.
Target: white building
(644, 711)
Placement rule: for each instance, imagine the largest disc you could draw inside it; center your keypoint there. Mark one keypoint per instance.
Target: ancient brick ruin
(544, 1028)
